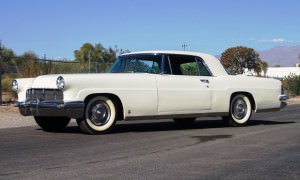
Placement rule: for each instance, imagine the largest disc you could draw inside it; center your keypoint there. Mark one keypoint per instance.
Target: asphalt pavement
(268, 148)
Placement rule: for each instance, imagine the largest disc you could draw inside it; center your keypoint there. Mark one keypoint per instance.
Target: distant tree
(6, 56)
(25, 65)
(32, 66)
(258, 70)
(264, 67)
(291, 83)
(29, 56)
(88, 52)
(237, 59)
(109, 55)
(277, 65)
(97, 53)
(120, 51)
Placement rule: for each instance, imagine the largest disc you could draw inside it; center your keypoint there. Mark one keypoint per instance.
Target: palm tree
(264, 67)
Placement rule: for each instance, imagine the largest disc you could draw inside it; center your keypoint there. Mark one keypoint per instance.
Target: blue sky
(58, 27)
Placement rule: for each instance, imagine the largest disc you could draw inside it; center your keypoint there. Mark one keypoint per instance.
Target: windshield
(137, 64)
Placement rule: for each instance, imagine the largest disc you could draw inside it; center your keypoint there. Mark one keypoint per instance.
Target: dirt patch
(294, 100)
(8, 108)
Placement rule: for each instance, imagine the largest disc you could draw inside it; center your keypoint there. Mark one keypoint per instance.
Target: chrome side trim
(170, 116)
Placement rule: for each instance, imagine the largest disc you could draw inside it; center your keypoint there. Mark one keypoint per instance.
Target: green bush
(292, 85)
(6, 83)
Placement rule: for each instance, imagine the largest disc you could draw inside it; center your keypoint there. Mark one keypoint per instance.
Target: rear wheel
(52, 124)
(240, 111)
(100, 116)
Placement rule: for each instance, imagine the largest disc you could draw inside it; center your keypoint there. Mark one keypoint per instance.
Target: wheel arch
(249, 95)
(116, 100)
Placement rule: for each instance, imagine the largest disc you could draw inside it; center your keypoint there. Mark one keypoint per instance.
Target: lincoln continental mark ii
(147, 85)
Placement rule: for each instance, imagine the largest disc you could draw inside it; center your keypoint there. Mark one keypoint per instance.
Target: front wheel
(240, 111)
(52, 124)
(100, 116)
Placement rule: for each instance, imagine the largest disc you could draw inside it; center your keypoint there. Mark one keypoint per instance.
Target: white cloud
(274, 40)
(277, 40)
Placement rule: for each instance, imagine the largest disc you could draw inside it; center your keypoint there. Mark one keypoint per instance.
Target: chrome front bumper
(67, 109)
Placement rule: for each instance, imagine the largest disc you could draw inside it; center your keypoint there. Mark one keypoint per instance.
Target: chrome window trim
(205, 65)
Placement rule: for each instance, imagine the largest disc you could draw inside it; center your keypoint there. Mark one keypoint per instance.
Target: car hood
(49, 81)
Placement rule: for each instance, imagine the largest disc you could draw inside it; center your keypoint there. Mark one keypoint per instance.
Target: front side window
(137, 64)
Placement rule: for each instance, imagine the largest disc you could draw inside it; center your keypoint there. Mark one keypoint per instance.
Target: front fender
(23, 85)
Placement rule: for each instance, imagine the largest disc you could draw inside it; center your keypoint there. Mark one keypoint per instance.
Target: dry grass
(8, 108)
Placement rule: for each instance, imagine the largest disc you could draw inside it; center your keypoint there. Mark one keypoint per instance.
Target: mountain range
(285, 56)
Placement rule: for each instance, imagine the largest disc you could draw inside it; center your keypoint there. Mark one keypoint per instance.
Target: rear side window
(189, 69)
(188, 66)
(202, 68)
(183, 65)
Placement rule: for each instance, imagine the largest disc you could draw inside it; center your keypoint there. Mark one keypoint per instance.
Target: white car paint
(156, 95)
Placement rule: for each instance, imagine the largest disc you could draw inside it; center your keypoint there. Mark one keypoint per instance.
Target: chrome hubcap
(239, 109)
(99, 113)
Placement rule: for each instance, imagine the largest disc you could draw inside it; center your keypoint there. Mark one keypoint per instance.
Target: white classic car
(150, 84)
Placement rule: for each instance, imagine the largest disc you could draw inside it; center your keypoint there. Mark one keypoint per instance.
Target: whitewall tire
(240, 111)
(100, 116)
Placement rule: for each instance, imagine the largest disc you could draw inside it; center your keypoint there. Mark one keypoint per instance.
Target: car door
(183, 90)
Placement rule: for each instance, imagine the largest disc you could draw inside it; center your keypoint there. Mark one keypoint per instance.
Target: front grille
(44, 95)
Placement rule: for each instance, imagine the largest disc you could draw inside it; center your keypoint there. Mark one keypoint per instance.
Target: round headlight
(60, 82)
(14, 86)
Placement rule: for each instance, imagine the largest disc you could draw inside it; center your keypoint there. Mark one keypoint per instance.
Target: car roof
(168, 52)
(213, 63)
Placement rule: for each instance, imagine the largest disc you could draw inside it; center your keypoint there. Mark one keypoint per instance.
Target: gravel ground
(10, 116)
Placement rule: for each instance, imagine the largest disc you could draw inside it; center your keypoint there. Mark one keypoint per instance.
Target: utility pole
(90, 61)
(0, 72)
(184, 46)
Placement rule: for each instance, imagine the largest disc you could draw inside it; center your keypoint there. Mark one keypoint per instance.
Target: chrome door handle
(204, 81)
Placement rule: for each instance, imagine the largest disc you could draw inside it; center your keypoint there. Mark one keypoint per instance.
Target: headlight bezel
(60, 83)
(15, 86)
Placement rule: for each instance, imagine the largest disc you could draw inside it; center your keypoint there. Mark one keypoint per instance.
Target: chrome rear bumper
(67, 109)
(283, 98)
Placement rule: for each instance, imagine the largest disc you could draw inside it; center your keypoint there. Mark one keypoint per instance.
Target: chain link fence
(19, 67)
